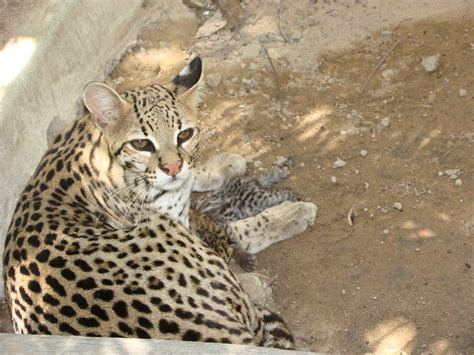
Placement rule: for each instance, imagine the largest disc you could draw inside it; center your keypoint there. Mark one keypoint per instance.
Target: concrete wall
(53, 48)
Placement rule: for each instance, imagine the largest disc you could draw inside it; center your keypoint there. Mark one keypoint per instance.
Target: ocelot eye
(185, 135)
(144, 145)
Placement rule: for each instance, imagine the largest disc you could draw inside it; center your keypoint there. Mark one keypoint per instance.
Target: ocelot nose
(172, 169)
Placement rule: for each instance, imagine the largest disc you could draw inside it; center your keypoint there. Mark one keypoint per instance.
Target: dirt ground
(383, 147)
(399, 278)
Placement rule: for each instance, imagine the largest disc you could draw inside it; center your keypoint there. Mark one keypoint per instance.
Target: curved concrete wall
(52, 49)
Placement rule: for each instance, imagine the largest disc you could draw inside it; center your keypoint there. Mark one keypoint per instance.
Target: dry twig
(379, 64)
(279, 23)
(275, 77)
(402, 21)
(351, 216)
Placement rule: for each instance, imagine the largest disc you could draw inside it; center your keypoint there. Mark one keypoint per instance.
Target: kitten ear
(103, 102)
(187, 85)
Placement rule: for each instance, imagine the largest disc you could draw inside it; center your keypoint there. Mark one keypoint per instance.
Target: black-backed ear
(103, 102)
(187, 84)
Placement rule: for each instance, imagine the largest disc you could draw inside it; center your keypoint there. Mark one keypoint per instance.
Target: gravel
(398, 206)
(339, 163)
(385, 122)
(364, 152)
(430, 64)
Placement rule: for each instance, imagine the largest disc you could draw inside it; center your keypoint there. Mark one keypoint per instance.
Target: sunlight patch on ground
(439, 347)
(312, 123)
(13, 58)
(392, 336)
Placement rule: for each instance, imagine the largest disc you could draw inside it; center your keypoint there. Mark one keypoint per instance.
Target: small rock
(339, 163)
(430, 64)
(333, 179)
(364, 152)
(398, 206)
(452, 173)
(388, 74)
(197, 3)
(302, 165)
(248, 82)
(214, 24)
(385, 122)
(458, 182)
(281, 161)
(462, 93)
(440, 173)
(385, 232)
(213, 80)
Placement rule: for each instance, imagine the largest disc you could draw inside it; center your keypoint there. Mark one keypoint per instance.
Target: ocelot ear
(103, 102)
(187, 85)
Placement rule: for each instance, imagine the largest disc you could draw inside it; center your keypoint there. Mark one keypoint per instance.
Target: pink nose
(172, 169)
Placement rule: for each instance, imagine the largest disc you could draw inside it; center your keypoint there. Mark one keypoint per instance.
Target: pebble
(213, 80)
(458, 182)
(385, 122)
(364, 152)
(339, 163)
(385, 232)
(452, 173)
(302, 165)
(333, 179)
(280, 161)
(398, 206)
(430, 64)
(214, 24)
(462, 93)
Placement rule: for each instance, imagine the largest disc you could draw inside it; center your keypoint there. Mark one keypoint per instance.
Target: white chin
(172, 185)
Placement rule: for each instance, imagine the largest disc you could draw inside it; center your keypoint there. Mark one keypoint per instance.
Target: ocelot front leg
(275, 224)
(215, 236)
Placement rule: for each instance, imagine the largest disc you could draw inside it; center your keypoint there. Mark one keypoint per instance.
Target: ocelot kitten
(238, 198)
(99, 243)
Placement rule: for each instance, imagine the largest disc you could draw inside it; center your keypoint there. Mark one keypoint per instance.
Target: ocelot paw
(245, 260)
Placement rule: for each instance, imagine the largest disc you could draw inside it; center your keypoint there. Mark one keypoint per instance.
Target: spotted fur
(99, 245)
(241, 197)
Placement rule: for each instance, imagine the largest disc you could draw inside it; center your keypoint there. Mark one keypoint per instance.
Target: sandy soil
(292, 81)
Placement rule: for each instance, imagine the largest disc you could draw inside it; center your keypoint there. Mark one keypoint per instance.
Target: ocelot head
(151, 132)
